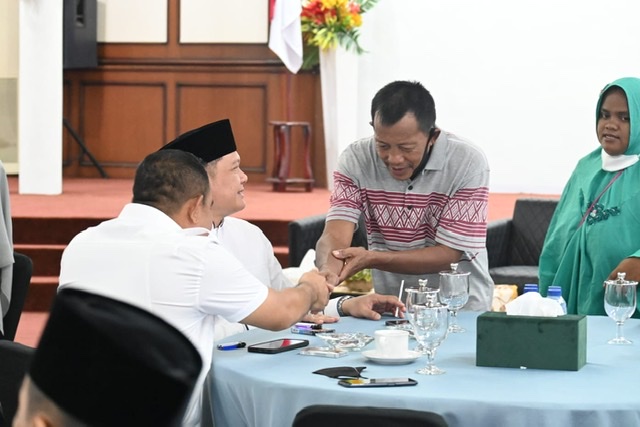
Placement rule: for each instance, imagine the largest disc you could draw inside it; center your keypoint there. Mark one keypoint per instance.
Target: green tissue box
(531, 342)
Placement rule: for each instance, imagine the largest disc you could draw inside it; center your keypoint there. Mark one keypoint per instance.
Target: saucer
(373, 356)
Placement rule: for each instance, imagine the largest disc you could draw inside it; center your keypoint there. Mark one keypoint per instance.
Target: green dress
(579, 258)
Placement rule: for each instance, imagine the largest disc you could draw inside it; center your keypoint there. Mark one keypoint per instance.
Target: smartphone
(377, 382)
(323, 352)
(396, 322)
(304, 331)
(308, 325)
(277, 346)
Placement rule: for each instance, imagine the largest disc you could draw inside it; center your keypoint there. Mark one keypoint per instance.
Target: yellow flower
(327, 23)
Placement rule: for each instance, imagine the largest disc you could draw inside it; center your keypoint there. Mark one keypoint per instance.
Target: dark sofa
(514, 244)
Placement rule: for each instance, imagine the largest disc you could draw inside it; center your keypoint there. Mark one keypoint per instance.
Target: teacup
(392, 342)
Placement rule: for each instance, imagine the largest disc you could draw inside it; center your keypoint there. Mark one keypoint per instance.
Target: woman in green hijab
(595, 231)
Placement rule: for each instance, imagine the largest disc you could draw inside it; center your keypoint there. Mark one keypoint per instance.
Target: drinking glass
(454, 292)
(421, 295)
(620, 304)
(431, 325)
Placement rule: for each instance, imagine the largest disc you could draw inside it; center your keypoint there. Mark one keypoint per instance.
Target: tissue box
(531, 342)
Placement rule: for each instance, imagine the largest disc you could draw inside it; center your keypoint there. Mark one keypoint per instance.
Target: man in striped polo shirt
(424, 196)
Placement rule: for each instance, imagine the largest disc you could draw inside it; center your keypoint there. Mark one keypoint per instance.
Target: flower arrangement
(328, 23)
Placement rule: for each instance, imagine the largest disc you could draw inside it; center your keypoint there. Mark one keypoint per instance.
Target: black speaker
(80, 31)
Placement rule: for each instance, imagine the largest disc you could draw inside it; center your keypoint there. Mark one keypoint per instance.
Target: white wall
(519, 78)
(201, 21)
(126, 21)
(9, 85)
(40, 91)
(222, 21)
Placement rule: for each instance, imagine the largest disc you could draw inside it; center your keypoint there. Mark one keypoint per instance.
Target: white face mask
(615, 163)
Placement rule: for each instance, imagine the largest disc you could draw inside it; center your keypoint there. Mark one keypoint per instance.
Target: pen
(400, 295)
(232, 345)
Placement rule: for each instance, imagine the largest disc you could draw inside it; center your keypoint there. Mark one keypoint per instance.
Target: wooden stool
(282, 156)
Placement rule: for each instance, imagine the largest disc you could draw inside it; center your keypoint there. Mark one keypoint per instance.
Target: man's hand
(354, 259)
(319, 318)
(330, 277)
(320, 288)
(631, 266)
(372, 306)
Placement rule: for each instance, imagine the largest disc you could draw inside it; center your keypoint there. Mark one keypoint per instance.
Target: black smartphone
(396, 322)
(277, 346)
(377, 382)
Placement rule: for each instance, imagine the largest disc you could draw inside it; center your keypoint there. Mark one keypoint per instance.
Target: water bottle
(530, 287)
(555, 293)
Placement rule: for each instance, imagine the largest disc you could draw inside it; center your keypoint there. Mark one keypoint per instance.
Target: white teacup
(392, 342)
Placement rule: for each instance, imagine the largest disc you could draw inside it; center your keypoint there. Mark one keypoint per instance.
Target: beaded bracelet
(339, 305)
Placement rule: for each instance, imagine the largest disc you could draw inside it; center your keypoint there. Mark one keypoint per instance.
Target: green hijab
(631, 88)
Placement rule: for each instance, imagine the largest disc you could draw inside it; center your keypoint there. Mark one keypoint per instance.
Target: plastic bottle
(530, 287)
(555, 293)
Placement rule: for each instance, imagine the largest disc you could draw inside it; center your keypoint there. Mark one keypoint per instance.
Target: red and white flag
(285, 35)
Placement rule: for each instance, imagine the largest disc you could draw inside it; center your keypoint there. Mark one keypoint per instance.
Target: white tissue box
(533, 342)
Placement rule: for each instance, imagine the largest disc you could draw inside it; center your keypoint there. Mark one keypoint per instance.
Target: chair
(349, 416)
(15, 359)
(22, 271)
(305, 232)
(514, 245)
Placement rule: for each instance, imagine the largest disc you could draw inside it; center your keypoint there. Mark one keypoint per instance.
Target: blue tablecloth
(264, 390)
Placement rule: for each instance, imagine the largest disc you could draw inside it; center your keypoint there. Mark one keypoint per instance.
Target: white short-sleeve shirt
(185, 276)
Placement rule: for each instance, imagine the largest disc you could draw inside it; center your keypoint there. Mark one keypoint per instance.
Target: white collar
(615, 163)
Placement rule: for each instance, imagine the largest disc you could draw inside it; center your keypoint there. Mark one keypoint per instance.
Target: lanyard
(586, 214)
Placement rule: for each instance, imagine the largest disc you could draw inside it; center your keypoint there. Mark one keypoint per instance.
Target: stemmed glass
(620, 303)
(431, 325)
(454, 292)
(421, 295)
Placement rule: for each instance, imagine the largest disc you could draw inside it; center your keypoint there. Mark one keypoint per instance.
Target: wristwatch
(340, 302)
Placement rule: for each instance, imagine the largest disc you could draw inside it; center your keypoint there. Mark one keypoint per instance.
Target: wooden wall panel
(122, 122)
(125, 112)
(142, 95)
(244, 105)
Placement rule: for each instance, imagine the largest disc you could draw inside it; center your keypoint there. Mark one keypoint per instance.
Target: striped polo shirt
(445, 204)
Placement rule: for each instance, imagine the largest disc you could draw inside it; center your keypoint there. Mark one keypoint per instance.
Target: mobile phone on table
(308, 325)
(277, 346)
(304, 331)
(377, 382)
(396, 322)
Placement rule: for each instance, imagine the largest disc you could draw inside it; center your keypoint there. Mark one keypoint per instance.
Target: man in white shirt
(157, 254)
(243, 239)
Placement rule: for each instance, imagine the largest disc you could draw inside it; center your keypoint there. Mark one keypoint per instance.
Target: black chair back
(349, 416)
(305, 232)
(531, 218)
(14, 362)
(22, 271)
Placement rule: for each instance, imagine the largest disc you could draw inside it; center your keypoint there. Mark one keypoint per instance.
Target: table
(251, 389)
